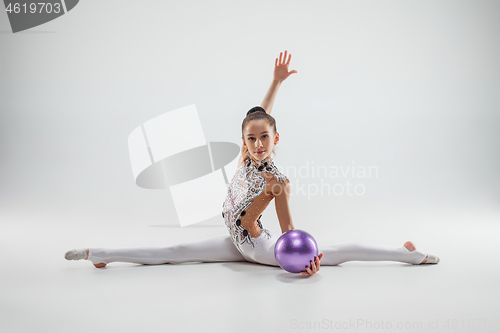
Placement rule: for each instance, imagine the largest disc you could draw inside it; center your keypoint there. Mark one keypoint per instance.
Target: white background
(410, 87)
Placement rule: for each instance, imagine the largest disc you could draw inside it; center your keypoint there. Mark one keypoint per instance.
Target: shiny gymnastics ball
(294, 250)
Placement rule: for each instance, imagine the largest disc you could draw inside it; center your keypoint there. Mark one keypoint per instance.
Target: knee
(179, 249)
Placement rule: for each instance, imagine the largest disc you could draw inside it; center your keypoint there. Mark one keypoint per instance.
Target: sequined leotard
(247, 197)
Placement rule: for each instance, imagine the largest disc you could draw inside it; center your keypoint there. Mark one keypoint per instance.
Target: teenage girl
(255, 184)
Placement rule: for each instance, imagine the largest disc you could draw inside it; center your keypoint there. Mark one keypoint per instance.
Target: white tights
(220, 248)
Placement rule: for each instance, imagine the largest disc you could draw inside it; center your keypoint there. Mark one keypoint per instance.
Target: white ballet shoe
(76, 254)
(431, 259)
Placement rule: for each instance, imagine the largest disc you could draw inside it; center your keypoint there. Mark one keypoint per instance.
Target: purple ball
(294, 250)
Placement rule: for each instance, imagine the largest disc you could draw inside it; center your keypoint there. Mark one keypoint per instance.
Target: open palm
(281, 72)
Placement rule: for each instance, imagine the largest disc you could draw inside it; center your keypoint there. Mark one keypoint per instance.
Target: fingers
(314, 266)
(282, 64)
(283, 59)
(308, 271)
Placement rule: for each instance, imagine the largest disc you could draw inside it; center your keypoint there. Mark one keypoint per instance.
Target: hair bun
(256, 109)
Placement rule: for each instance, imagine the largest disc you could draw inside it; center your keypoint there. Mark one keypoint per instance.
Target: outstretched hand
(281, 72)
(314, 266)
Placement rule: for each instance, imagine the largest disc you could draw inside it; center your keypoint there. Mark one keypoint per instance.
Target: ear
(243, 141)
(276, 138)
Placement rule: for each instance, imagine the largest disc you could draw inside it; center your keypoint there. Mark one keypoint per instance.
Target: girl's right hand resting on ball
(314, 266)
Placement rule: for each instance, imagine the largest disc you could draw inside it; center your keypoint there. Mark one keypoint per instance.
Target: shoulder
(278, 185)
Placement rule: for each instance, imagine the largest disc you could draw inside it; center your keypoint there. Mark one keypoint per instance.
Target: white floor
(42, 292)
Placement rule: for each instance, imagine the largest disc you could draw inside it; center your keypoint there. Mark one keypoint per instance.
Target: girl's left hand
(281, 68)
(314, 266)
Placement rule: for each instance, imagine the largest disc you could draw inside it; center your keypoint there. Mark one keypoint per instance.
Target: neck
(258, 162)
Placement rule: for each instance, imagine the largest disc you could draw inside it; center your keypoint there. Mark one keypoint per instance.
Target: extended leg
(214, 249)
(333, 255)
(337, 254)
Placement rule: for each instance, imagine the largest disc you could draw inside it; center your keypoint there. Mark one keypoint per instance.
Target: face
(260, 139)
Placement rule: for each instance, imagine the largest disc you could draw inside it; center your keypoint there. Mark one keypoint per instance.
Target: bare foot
(411, 247)
(99, 265)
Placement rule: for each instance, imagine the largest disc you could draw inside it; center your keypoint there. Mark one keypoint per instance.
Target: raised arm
(280, 74)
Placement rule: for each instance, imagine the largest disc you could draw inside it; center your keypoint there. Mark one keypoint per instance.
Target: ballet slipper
(431, 259)
(409, 246)
(79, 254)
(76, 254)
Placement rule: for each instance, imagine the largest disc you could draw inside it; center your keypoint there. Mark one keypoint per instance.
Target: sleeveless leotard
(247, 196)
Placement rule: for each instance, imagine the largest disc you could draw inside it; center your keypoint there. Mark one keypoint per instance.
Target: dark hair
(258, 112)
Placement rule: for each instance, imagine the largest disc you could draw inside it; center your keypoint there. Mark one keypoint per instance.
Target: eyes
(252, 138)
